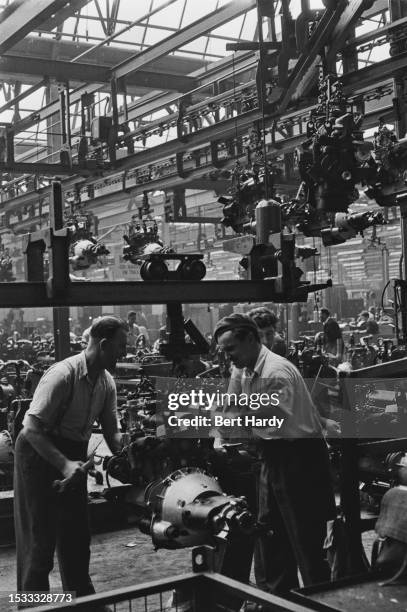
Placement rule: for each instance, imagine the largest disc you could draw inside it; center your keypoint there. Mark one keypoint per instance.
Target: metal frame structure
(217, 138)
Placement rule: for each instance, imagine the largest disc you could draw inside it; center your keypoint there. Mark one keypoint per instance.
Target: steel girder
(228, 127)
(62, 15)
(39, 46)
(369, 36)
(348, 19)
(34, 294)
(23, 16)
(308, 61)
(182, 37)
(91, 73)
(23, 94)
(378, 7)
(42, 168)
(346, 16)
(165, 182)
(374, 74)
(156, 100)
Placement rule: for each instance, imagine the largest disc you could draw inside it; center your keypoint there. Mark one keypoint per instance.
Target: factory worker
(52, 446)
(295, 498)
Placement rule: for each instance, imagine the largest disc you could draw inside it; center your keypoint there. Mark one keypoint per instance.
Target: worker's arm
(109, 420)
(36, 435)
(46, 411)
(330, 427)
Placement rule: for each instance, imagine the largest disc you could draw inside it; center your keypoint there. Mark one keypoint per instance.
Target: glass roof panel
(231, 29)
(217, 46)
(69, 25)
(169, 16)
(198, 45)
(88, 27)
(153, 36)
(130, 9)
(249, 25)
(195, 10)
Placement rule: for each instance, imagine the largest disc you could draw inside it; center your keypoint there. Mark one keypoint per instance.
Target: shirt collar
(83, 366)
(259, 363)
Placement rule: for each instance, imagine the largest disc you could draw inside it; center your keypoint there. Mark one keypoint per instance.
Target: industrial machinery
(85, 249)
(176, 493)
(145, 248)
(142, 239)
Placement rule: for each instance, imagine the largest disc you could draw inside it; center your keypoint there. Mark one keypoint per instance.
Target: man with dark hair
(266, 320)
(52, 445)
(135, 321)
(295, 492)
(331, 338)
(134, 330)
(366, 324)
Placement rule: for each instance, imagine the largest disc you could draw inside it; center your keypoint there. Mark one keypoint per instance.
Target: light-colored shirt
(132, 335)
(275, 374)
(89, 401)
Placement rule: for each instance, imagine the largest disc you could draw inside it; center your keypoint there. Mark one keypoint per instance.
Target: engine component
(348, 226)
(85, 253)
(85, 249)
(142, 239)
(189, 508)
(190, 266)
(249, 185)
(144, 248)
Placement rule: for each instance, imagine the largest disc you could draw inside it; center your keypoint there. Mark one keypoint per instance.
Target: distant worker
(372, 313)
(266, 320)
(330, 340)
(135, 321)
(366, 324)
(134, 330)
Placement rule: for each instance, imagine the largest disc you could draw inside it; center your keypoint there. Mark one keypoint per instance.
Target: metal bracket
(56, 243)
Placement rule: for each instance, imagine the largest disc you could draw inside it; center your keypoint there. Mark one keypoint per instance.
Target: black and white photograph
(203, 305)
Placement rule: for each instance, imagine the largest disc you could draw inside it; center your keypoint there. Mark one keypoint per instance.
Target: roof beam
(68, 11)
(345, 19)
(182, 37)
(308, 61)
(90, 73)
(378, 7)
(23, 94)
(42, 168)
(23, 16)
(286, 145)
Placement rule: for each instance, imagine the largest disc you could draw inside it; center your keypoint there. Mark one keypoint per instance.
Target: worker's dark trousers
(295, 502)
(45, 519)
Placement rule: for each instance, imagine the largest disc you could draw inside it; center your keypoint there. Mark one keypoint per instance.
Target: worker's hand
(332, 428)
(73, 469)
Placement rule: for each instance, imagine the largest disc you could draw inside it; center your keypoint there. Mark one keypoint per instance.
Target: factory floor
(119, 559)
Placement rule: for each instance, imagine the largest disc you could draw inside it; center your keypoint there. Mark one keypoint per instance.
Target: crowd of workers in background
(329, 336)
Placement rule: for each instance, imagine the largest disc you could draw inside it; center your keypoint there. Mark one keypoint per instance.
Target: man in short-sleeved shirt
(53, 445)
(71, 377)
